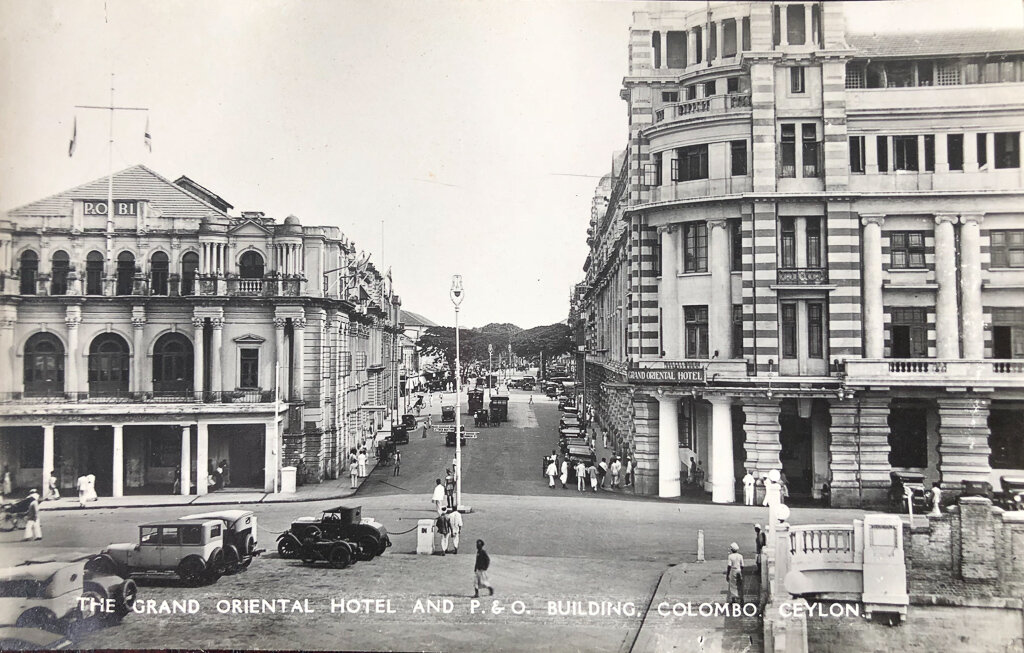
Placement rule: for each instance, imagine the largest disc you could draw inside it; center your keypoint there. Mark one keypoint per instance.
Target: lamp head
(456, 291)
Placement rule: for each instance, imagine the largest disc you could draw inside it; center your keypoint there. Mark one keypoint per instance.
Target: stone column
(873, 319)
(723, 480)
(783, 26)
(117, 480)
(668, 446)
(186, 460)
(202, 453)
(664, 49)
(47, 457)
(963, 440)
(299, 336)
(720, 310)
(9, 382)
(138, 348)
(669, 297)
(197, 349)
(971, 314)
(860, 451)
(72, 318)
(870, 154)
(280, 354)
(271, 444)
(809, 28)
(761, 429)
(947, 334)
(941, 154)
(216, 343)
(970, 152)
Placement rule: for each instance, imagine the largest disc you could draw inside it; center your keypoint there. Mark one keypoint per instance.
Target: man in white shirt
(615, 468)
(748, 489)
(454, 528)
(361, 459)
(438, 496)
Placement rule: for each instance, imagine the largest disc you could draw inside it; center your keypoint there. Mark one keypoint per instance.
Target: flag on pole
(146, 137)
(74, 137)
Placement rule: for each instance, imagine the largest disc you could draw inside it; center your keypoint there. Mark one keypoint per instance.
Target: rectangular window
(695, 251)
(729, 37)
(908, 435)
(710, 88)
(906, 249)
(1007, 445)
(788, 151)
(691, 92)
(736, 244)
(929, 152)
(815, 330)
(732, 84)
(1007, 249)
(249, 374)
(904, 153)
(693, 162)
(955, 151)
(737, 331)
(788, 322)
(796, 33)
(787, 242)
(947, 74)
(855, 75)
(738, 157)
(882, 153)
(857, 161)
(696, 319)
(698, 44)
(712, 41)
(745, 24)
(658, 252)
(925, 73)
(796, 79)
(675, 169)
(1007, 333)
(982, 150)
(675, 44)
(814, 243)
(810, 150)
(909, 330)
(669, 96)
(1007, 146)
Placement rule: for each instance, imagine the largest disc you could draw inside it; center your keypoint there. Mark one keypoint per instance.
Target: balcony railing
(703, 107)
(249, 287)
(925, 371)
(801, 276)
(156, 397)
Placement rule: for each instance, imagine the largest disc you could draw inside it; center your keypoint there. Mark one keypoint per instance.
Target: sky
(443, 137)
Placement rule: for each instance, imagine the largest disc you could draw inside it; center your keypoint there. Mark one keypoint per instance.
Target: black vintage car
(907, 485)
(449, 438)
(368, 536)
(476, 401)
(399, 434)
(447, 413)
(1012, 496)
(409, 421)
(336, 552)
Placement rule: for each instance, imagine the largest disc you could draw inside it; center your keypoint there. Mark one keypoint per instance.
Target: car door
(147, 554)
(170, 546)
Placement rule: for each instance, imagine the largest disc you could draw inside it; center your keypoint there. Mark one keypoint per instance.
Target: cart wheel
(105, 565)
(7, 522)
(216, 565)
(20, 521)
(288, 548)
(340, 556)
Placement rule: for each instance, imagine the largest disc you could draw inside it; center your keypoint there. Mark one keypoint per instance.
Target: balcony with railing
(939, 372)
(685, 190)
(701, 108)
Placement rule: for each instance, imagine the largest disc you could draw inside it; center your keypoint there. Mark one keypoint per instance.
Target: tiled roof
(415, 319)
(937, 43)
(135, 183)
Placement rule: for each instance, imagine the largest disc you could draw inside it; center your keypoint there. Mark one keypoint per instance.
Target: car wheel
(39, 618)
(192, 571)
(126, 595)
(248, 546)
(367, 547)
(90, 608)
(288, 548)
(103, 564)
(215, 566)
(232, 559)
(383, 546)
(340, 556)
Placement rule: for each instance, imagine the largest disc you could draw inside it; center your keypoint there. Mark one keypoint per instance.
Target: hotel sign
(121, 207)
(641, 375)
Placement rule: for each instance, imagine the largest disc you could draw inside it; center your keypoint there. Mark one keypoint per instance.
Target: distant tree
(552, 339)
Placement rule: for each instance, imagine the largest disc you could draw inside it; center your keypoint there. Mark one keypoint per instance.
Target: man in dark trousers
(398, 462)
(483, 561)
(760, 540)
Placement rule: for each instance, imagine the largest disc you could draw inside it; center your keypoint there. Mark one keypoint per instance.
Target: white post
(216, 344)
(668, 446)
(186, 461)
(118, 474)
(873, 318)
(197, 363)
(47, 457)
(202, 451)
(458, 415)
(723, 489)
(972, 314)
(947, 329)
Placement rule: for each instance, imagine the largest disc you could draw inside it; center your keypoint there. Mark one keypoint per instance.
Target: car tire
(40, 618)
(385, 542)
(215, 566)
(192, 570)
(126, 595)
(367, 547)
(340, 556)
(96, 593)
(232, 560)
(103, 564)
(288, 548)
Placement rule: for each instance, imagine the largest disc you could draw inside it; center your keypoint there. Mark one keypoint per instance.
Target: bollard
(425, 537)
(700, 545)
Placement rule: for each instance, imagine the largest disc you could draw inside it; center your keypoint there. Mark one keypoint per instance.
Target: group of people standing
(620, 473)
(356, 465)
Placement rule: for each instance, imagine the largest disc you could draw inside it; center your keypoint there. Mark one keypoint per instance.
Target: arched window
(159, 267)
(108, 365)
(44, 366)
(94, 273)
(29, 270)
(172, 364)
(125, 272)
(59, 267)
(189, 268)
(251, 265)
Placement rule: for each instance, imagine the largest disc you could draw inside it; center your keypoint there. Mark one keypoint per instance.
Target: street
(546, 546)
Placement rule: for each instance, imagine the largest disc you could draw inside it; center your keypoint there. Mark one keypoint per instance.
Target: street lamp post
(456, 294)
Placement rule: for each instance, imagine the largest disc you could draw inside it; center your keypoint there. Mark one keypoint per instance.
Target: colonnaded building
(146, 344)
(810, 257)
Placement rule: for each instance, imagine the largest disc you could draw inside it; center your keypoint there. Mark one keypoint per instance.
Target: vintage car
(499, 409)
(1012, 496)
(447, 413)
(476, 401)
(449, 438)
(240, 545)
(551, 391)
(190, 549)
(906, 485)
(569, 422)
(409, 421)
(368, 536)
(46, 595)
(399, 434)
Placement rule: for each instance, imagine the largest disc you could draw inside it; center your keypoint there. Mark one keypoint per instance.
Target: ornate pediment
(250, 339)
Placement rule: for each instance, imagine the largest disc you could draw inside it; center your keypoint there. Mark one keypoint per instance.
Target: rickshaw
(386, 451)
(907, 486)
(15, 514)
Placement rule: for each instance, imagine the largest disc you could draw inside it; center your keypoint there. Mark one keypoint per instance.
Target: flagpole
(110, 184)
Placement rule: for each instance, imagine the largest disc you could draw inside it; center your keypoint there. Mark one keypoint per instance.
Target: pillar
(186, 460)
(963, 440)
(138, 349)
(723, 481)
(761, 439)
(783, 26)
(47, 457)
(280, 354)
(202, 453)
(971, 314)
(970, 152)
(941, 153)
(720, 310)
(117, 480)
(271, 442)
(664, 48)
(8, 382)
(72, 318)
(216, 344)
(809, 28)
(873, 318)
(860, 451)
(668, 446)
(947, 333)
(669, 298)
(299, 338)
(197, 349)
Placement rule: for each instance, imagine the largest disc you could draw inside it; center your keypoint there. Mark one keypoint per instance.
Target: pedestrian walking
(176, 486)
(552, 471)
(748, 489)
(602, 472)
(7, 489)
(564, 475)
(483, 563)
(581, 476)
(531, 399)
(691, 477)
(32, 526)
(455, 523)
(443, 528)
(760, 540)
(81, 486)
(592, 473)
(52, 491)
(438, 496)
(398, 462)
(734, 574)
(699, 476)
(936, 497)
(630, 470)
(353, 473)
(615, 469)
(361, 459)
(449, 488)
